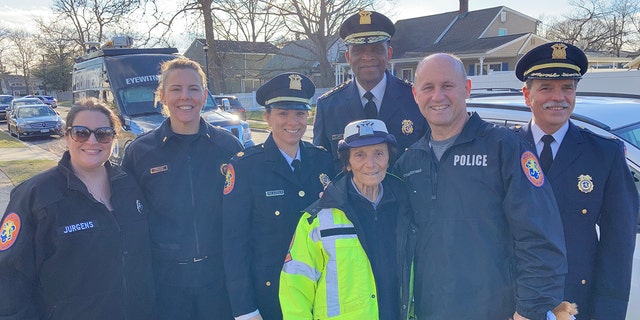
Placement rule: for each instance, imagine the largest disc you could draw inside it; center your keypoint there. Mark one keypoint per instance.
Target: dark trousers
(193, 303)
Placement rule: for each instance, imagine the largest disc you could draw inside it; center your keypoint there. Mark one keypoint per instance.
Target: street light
(205, 47)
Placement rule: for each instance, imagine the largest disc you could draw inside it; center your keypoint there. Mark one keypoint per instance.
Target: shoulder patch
(336, 89)
(9, 230)
(230, 179)
(532, 169)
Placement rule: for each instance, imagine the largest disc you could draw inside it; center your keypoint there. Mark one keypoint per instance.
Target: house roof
(229, 46)
(448, 32)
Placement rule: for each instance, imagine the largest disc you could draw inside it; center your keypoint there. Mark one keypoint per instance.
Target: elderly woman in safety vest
(343, 260)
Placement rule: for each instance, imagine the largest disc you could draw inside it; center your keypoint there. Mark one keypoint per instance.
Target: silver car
(605, 114)
(34, 120)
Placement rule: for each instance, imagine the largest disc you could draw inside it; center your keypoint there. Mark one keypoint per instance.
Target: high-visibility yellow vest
(327, 274)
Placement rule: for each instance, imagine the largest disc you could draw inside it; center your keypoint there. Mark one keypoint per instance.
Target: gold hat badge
(295, 82)
(559, 51)
(365, 17)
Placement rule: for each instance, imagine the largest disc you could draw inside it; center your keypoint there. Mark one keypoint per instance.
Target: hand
(565, 311)
(517, 316)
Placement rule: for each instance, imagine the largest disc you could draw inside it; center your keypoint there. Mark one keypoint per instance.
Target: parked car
(53, 102)
(5, 101)
(232, 105)
(21, 102)
(605, 114)
(215, 115)
(34, 120)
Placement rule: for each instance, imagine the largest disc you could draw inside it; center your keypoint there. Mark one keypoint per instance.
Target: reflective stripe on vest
(329, 233)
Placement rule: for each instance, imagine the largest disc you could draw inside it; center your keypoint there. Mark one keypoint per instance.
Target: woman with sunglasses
(74, 240)
(180, 167)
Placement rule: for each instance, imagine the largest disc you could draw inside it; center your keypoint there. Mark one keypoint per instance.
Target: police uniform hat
(365, 133)
(366, 27)
(555, 60)
(289, 90)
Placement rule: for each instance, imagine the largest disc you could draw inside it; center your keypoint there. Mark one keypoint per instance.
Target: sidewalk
(11, 154)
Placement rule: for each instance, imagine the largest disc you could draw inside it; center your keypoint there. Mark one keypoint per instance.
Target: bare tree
(318, 21)
(59, 49)
(246, 20)
(91, 19)
(23, 56)
(4, 34)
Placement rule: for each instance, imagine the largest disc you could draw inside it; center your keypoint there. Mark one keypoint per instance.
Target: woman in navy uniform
(266, 189)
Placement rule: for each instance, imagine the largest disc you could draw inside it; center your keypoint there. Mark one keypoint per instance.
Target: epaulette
(338, 88)
(313, 146)
(248, 152)
(609, 137)
(405, 82)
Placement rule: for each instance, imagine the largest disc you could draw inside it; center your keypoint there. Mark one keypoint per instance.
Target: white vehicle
(605, 114)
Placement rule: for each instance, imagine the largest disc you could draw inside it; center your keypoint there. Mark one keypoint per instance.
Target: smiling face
(369, 62)
(90, 154)
(287, 126)
(551, 102)
(440, 90)
(184, 95)
(369, 165)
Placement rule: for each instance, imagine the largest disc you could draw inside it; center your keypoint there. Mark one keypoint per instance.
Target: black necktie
(370, 109)
(296, 167)
(546, 156)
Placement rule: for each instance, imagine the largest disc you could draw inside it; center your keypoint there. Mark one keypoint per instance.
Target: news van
(126, 79)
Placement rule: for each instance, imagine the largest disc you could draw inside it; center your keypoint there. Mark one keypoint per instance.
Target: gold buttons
(268, 283)
(277, 213)
(301, 193)
(583, 281)
(584, 211)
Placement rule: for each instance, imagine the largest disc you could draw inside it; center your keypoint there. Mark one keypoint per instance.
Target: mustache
(556, 104)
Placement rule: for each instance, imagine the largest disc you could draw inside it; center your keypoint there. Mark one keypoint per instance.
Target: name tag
(159, 169)
(81, 226)
(412, 172)
(336, 136)
(274, 193)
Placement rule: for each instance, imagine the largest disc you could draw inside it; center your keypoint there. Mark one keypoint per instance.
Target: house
(300, 56)
(242, 61)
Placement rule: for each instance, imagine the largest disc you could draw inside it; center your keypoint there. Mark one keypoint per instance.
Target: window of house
(502, 31)
(488, 68)
(407, 74)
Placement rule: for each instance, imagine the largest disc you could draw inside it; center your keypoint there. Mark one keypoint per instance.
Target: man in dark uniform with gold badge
(375, 93)
(592, 183)
(266, 190)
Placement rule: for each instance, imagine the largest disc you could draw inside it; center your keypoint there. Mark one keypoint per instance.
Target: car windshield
(139, 100)
(209, 105)
(27, 101)
(630, 134)
(6, 99)
(30, 112)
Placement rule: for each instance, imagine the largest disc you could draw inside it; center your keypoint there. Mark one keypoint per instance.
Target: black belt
(193, 260)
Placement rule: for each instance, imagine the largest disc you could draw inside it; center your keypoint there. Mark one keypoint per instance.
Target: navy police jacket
(342, 105)
(64, 255)
(182, 178)
(490, 238)
(262, 204)
(594, 186)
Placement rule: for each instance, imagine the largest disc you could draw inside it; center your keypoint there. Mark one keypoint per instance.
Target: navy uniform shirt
(262, 204)
(343, 104)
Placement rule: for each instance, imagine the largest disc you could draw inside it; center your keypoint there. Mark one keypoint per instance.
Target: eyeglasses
(81, 134)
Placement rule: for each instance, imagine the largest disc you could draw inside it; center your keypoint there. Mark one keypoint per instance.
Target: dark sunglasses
(81, 134)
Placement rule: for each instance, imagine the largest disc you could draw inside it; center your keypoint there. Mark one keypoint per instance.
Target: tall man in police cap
(591, 181)
(268, 186)
(375, 93)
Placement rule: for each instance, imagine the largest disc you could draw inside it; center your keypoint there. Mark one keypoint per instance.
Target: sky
(18, 13)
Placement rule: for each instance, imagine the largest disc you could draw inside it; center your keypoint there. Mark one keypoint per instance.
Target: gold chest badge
(585, 183)
(407, 127)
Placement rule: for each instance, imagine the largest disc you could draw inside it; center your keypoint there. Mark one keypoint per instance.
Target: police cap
(365, 132)
(289, 90)
(366, 27)
(554, 60)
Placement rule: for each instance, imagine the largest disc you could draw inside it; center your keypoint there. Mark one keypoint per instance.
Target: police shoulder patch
(9, 230)
(531, 168)
(230, 179)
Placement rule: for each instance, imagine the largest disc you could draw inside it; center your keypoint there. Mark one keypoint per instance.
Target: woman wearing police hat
(342, 262)
(266, 190)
